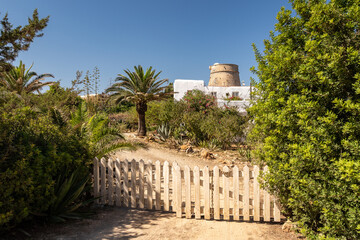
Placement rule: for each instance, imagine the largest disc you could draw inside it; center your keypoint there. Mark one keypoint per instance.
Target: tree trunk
(141, 109)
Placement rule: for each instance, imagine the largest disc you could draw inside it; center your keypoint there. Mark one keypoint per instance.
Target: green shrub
(33, 150)
(307, 116)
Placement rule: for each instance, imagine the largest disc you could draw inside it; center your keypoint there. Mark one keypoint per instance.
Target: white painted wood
(246, 197)
(166, 186)
(256, 195)
(141, 184)
(226, 180)
(118, 182)
(207, 193)
(157, 185)
(216, 193)
(174, 191)
(178, 192)
(236, 213)
(103, 180)
(96, 179)
(133, 183)
(110, 177)
(266, 202)
(125, 170)
(197, 192)
(187, 192)
(276, 211)
(149, 181)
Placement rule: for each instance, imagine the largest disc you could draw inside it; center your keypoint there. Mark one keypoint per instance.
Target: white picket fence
(228, 194)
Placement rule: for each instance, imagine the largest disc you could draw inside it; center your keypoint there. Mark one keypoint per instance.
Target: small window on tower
(213, 94)
(235, 94)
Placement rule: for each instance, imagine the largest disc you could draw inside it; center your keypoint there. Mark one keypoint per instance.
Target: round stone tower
(224, 75)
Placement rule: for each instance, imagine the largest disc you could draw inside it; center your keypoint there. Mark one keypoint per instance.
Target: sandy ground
(121, 223)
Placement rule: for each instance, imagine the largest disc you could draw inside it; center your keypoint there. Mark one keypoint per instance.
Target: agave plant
(69, 197)
(22, 80)
(164, 131)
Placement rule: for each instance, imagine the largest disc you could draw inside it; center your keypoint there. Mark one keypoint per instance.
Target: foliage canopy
(307, 115)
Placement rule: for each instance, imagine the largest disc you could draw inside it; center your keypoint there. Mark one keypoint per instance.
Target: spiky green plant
(22, 80)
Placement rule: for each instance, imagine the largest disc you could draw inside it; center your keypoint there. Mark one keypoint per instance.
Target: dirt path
(154, 152)
(120, 223)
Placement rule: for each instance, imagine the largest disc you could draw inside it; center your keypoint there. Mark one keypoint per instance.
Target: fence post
(187, 192)
(236, 214)
(166, 186)
(226, 193)
(103, 180)
(178, 192)
(256, 195)
(133, 183)
(149, 185)
(125, 171)
(96, 179)
(216, 193)
(158, 185)
(207, 192)
(110, 165)
(118, 182)
(276, 210)
(266, 202)
(141, 184)
(197, 192)
(246, 209)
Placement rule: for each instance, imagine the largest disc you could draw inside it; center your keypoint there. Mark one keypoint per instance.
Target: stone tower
(224, 75)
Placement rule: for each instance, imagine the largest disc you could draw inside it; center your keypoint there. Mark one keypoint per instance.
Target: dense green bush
(33, 151)
(198, 118)
(307, 116)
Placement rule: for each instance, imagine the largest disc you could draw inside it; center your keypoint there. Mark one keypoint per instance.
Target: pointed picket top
(197, 192)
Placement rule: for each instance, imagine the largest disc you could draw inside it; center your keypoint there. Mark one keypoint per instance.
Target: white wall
(181, 86)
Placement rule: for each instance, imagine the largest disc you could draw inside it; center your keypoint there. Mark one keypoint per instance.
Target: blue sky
(180, 38)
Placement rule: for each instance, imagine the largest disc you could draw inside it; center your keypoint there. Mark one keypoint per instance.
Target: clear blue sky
(180, 38)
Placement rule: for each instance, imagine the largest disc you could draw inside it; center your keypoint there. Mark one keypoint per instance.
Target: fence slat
(246, 208)
(178, 192)
(110, 177)
(256, 195)
(174, 191)
(276, 211)
(266, 202)
(226, 193)
(166, 186)
(141, 184)
(125, 170)
(96, 179)
(157, 185)
(207, 193)
(197, 192)
(133, 183)
(149, 185)
(187, 192)
(236, 193)
(118, 182)
(216, 194)
(103, 180)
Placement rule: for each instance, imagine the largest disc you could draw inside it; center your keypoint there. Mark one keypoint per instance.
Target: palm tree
(140, 88)
(22, 80)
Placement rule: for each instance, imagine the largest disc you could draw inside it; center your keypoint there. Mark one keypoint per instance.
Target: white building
(181, 86)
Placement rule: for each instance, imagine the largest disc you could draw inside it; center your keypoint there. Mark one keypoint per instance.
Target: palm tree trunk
(141, 109)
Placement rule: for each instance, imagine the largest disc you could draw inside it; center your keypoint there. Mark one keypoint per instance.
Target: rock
(288, 226)
(189, 150)
(184, 147)
(206, 154)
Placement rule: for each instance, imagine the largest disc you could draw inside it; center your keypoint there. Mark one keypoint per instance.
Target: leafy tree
(21, 80)
(140, 88)
(14, 40)
(307, 115)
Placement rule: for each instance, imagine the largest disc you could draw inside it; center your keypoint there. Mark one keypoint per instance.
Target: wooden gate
(227, 193)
